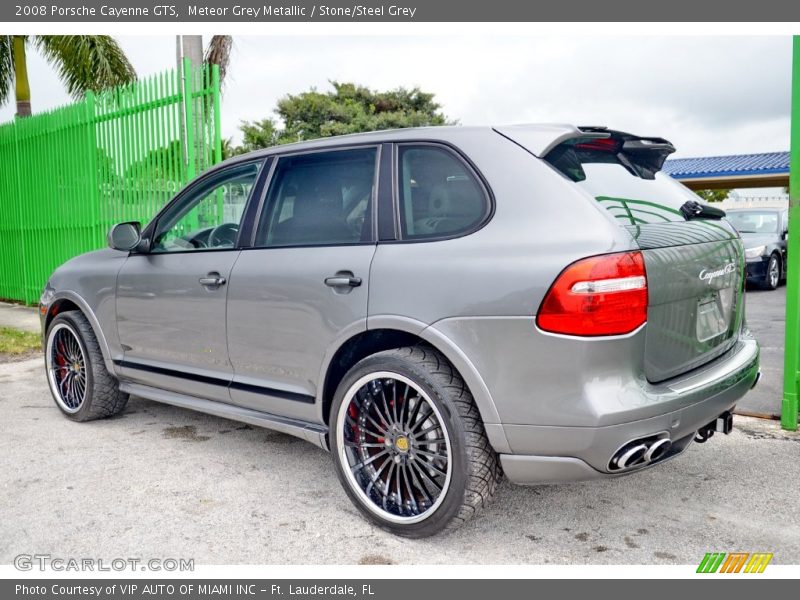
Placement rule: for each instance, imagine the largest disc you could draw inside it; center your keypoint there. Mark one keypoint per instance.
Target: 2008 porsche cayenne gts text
(434, 306)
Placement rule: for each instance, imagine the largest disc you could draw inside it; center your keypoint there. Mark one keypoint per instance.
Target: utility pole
(191, 47)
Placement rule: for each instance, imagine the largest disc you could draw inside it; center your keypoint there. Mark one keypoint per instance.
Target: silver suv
(435, 306)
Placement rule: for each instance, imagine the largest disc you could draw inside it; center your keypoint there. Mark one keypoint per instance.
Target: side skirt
(316, 434)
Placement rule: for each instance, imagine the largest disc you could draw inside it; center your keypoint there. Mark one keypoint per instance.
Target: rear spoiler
(648, 154)
(645, 154)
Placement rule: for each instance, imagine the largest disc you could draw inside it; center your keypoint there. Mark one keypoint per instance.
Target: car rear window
(634, 192)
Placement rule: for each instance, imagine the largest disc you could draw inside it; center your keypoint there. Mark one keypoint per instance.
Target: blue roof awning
(739, 165)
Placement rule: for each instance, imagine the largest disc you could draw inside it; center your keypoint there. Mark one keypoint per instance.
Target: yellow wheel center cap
(401, 443)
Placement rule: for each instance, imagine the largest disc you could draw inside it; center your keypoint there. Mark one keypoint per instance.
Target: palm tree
(219, 53)
(83, 62)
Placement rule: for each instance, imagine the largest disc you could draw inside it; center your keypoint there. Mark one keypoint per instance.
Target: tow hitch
(723, 424)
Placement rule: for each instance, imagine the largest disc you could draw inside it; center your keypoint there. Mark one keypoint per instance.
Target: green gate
(68, 174)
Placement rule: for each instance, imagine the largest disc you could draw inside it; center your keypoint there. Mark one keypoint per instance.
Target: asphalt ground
(766, 317)
(158, 481)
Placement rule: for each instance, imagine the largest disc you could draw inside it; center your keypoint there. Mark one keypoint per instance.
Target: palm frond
(219, 53)
(6, 68)
(86, 62)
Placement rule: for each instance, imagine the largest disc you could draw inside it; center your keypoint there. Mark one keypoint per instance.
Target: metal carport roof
(735, 171)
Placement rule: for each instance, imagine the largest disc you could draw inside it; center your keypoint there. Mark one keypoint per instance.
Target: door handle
(343, 281)
(212, 280)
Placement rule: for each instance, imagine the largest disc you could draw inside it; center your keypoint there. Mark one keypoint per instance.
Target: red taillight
(601, 295)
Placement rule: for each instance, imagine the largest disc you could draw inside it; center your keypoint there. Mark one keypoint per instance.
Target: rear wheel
(773, 275)
(80, 384)
(408, 443)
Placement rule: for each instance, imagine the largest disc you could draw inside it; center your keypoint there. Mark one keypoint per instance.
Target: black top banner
(260, 11)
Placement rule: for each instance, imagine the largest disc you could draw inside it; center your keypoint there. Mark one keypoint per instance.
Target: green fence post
(792, 344)
(216, 99)
(188, 116)
(22, 197)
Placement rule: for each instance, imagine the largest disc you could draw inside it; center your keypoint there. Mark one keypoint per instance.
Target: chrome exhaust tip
(640, 452)
(657, 449)
(632, 456)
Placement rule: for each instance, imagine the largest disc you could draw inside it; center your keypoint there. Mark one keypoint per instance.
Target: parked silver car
(435, 306)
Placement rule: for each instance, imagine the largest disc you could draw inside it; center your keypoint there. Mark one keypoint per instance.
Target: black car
(764, 232)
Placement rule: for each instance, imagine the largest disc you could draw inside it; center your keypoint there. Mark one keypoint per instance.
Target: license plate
(710, 320)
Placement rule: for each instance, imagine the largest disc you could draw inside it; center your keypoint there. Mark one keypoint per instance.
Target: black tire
(771, 281)
(474, 471)
(102, 396)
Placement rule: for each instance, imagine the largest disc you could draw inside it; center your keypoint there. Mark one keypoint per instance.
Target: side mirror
(125, 236)
(785, 234)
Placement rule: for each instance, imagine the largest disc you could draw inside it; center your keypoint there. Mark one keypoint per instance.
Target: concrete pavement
(766, 317)
(158, 481)
(21, 317)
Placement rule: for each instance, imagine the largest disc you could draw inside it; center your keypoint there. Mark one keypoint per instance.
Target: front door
(171, 300)
(304, 284)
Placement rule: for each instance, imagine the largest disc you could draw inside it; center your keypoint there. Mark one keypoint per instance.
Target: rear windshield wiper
(692, 209)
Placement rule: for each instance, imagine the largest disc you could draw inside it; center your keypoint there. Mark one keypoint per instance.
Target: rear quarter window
(439, 194)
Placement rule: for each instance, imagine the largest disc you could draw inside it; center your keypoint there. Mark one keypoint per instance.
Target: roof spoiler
(648, 154)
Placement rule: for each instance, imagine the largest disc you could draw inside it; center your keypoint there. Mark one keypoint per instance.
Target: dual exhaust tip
(639, 452)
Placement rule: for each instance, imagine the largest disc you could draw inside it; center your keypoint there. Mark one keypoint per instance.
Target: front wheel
(80, 384)
(773, 275)
(408, 443)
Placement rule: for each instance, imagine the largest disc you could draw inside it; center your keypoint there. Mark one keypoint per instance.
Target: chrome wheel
(774, 272)
(66, 367)
(394, 447)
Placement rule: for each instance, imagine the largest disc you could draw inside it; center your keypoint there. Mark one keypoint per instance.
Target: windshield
(754, 221)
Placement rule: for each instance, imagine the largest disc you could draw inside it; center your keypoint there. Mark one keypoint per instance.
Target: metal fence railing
(68, 174)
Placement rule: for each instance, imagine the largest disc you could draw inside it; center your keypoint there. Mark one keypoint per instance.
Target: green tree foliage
(713, 195)
(348, 108)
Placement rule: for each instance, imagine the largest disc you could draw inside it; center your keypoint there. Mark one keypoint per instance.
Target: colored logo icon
(734, 562)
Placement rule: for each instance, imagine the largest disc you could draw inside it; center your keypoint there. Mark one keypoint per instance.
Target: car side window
(209, 217)
(439, 195)
(322, 198)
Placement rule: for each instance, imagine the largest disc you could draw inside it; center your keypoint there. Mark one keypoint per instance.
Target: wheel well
(57, 307)
(356, 348)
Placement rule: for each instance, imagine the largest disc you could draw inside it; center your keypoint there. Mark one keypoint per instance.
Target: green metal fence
(68, 174)
(791, 366)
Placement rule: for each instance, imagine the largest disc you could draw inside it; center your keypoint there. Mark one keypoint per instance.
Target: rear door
(303, 285)
(695, 268)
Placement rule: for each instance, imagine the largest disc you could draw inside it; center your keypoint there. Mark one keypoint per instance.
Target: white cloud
(709, 95)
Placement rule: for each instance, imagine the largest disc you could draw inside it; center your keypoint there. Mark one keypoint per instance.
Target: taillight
(601, 295)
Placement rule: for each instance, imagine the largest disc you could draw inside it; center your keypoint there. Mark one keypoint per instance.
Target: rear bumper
(547, 454)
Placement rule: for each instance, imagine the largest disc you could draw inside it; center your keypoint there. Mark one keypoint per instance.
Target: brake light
(600, 145)
(600, 295)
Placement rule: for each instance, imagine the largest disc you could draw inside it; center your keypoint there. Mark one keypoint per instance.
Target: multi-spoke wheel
(773, 275)
(396, 447)
(409, 444)
(81, 386)
(66, 367)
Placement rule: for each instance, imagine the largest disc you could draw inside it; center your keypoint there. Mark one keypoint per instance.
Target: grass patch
(14, 342)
